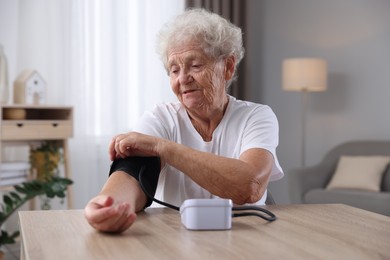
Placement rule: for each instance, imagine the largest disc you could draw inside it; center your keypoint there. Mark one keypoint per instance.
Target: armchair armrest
(302, 180)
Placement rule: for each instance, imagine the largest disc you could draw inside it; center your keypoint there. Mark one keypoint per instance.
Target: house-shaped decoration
(29, 88)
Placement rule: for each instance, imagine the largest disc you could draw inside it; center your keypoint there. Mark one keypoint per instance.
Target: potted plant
(44, 160)
(52, 187)
(45, 184)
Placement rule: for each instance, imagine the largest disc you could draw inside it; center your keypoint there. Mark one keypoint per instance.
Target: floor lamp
(304, 75)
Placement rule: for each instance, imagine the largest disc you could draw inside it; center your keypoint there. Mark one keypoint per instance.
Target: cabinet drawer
(36, 130)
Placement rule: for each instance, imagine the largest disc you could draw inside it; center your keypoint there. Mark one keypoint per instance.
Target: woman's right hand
(105, 215)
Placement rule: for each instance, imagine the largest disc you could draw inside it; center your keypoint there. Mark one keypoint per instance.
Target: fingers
(111, 149)
(119, 219)
(99, 209)
(118, 147)
(127, 223)
(103, 215)
(132, 144)
(121, 146)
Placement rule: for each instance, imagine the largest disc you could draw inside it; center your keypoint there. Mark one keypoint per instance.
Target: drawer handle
(19, 125)
(55, 124)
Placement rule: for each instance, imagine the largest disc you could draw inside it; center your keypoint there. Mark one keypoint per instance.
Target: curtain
(98, 57)
(116, 75)
(234, 11)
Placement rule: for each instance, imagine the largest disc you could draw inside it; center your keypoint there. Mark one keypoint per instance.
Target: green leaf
(54, 187)
(7, 200)
(29, 186)
(36, 185)
(61, 194)
(15, 196)
(5, 238)
(20, 189)
(50, 194)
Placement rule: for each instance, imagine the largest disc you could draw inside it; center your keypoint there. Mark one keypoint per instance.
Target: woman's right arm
(114, 208)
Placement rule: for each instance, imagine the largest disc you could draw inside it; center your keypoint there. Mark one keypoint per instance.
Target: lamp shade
(304, 74)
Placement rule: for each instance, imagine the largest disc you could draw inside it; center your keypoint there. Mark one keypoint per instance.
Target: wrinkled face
(197, 79)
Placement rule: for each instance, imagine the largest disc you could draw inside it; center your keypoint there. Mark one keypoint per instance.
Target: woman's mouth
(189, 91)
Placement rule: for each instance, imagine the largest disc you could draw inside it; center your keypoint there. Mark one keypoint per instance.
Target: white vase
(3, 77)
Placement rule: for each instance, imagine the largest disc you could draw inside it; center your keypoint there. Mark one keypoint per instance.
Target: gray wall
(354, 37)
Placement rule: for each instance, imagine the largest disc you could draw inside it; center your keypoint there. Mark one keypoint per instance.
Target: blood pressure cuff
(151, 167)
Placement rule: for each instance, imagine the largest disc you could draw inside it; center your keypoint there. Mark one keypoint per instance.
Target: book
(13, 166)
(12, 181)
(13, 174)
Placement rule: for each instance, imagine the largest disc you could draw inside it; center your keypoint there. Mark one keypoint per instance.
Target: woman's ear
(230, 66)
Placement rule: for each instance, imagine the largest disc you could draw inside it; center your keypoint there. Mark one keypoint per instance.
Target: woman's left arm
(243, 180)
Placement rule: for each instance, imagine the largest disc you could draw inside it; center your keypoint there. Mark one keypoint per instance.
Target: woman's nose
(185, 77)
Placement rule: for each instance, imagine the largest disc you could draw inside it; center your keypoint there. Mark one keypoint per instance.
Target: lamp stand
(305, 96)
(304, 75)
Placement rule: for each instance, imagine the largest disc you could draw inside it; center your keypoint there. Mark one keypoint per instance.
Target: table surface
(310, 231)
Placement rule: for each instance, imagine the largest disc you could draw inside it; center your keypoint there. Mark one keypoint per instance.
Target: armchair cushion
(359, 173)
(386, 180)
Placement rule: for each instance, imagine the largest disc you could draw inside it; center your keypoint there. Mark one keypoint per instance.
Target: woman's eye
(173, 70)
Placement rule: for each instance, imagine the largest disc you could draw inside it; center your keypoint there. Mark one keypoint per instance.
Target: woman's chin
(192, 101)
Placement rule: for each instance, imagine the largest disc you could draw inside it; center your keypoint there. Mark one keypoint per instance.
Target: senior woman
(208, 143)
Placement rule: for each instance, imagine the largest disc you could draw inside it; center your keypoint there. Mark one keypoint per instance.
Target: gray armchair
(307, 185)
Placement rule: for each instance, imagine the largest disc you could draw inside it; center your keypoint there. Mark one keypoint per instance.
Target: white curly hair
(217, 36)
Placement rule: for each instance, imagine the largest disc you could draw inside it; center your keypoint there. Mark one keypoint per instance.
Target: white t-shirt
(245, 125)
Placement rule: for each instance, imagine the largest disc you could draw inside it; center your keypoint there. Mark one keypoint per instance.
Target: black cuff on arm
(133, 166)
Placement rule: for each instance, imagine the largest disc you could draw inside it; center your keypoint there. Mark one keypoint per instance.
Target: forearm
(241, 180)
(125, 188)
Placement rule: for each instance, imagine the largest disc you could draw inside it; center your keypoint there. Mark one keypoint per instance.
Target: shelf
(29, 123)
(11, 113)
(35, 122)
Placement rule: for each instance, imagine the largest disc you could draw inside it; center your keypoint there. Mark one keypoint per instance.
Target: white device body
(207, 214)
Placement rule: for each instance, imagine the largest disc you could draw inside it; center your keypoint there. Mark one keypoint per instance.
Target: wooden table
(327, 231)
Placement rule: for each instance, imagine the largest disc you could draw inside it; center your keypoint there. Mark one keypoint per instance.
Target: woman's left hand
(133, 144)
